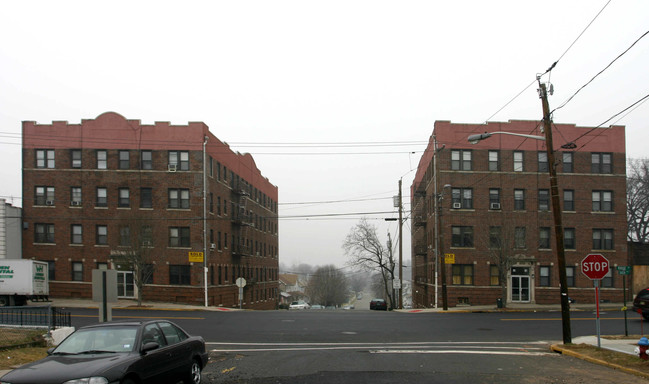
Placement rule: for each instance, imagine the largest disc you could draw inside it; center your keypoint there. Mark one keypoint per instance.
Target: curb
(559, 349)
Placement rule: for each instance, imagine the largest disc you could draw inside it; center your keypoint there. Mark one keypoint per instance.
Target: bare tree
(365, 250)
(328, 286)
(137, 252)
(637, 200)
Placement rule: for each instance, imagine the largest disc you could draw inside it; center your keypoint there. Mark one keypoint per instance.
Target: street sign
(595, 266)
(449, 258)
(624, 269)
(241, 282)
(396, 283)
(195, 257)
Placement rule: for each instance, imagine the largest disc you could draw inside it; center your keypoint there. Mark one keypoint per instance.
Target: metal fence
(36, 316)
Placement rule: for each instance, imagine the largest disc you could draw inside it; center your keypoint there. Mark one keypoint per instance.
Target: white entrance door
(520, 285)
(125, 286)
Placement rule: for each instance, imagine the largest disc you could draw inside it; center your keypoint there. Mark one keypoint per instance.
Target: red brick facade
(478, 210)
(151, 174)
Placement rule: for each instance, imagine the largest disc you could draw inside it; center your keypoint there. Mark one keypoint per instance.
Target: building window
(125, 236)
(570, 276)
(146, 198)
(218, 205)
(544, 238)
(544, 276)
(543, 161)
(146, 160)
(569, 200)
(51, 270)
(101, 235)
(601, 163)
(146, 236)
(519, 237)
(102, 197)
(179, 237)
(102, 159)
(494, 161)
(494, 198)
(44, 195)
(603, 239)
(544, 200)
(124, 198)
(77, 271)
(179, 198)
(495, 237)
(211, 202)
(462, 198)
(124, 160)
(218, 240)
(179, 275)
(607, 281)
(519, 199)
(461, 160)
(211, 167)
(568, 164)
(179, 159)
(494, 275)
(462, 236)
(462, 274)
(75, 158)
(76, 234)
(44, 233)
(45, 158)
(569, 240)
(518, 161)
(602, 201)
(75, 195)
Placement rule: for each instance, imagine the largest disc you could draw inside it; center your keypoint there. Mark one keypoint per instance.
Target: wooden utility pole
(556, 214)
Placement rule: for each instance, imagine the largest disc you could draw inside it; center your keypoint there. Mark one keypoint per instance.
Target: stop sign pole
(595, 267)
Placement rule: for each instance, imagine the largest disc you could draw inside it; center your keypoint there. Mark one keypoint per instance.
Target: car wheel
(194, 376)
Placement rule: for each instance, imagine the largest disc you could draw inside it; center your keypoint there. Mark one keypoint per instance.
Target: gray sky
(358, 84)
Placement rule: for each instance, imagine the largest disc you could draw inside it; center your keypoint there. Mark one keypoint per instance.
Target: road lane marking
(465, 352)
(572, 318)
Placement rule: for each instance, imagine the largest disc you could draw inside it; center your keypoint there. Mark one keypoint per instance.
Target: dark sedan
(125, 352)
(378, 304)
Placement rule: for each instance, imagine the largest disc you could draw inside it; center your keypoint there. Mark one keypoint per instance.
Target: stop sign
(595, 266)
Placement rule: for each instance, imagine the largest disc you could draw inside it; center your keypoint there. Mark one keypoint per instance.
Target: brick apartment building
(99, 192)
(495, 213)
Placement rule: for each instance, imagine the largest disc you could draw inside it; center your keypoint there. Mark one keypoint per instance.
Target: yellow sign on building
(195, 257)
(449, 258)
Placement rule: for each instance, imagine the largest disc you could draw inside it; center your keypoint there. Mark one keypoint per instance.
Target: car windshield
(99, 340)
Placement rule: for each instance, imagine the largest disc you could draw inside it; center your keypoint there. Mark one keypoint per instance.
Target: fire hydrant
(643, 345)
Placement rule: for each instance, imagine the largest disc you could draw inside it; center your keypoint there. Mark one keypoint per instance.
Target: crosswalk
(535, 348)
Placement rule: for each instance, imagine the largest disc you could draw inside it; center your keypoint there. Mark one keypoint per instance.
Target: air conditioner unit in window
(457, 205)
(212, 246)
(171, 167)
(495, 206)
(146, 243)
(73, 202)
(49, 202)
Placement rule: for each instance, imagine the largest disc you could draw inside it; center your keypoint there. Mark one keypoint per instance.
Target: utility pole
(438, 219)
(556, 214)
(400, 248)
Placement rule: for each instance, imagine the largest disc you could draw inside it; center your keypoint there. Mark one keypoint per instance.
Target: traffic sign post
(595, 267)
(624, 270)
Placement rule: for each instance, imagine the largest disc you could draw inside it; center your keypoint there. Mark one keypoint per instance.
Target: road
(345, 346)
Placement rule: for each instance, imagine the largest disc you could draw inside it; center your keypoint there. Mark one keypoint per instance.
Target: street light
(556, 211)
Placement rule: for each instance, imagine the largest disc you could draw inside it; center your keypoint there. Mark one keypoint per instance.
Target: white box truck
(22, 280)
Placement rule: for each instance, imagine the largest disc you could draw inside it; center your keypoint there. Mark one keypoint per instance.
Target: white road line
(401, 343)
(512, 353)
(498, 347)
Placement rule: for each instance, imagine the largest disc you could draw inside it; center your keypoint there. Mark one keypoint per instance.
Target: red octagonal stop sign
(595, 266)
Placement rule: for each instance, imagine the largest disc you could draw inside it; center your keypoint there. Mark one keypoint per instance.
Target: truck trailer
(22, 280)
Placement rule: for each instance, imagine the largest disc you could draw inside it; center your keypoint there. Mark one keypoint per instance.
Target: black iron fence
(36, 316)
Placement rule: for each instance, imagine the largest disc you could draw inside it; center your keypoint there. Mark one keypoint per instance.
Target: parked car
(299, 305)
(379, 304)
(125, 352)
(641, 303)
(317, 306)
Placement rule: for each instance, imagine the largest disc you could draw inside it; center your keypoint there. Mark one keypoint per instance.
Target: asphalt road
(359, 346)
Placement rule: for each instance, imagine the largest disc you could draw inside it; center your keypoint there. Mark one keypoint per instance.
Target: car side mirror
(148, 347)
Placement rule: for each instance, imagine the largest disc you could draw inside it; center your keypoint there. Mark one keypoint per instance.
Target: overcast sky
(357, 84)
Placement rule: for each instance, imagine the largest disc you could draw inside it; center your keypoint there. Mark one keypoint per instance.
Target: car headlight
(88, 380)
